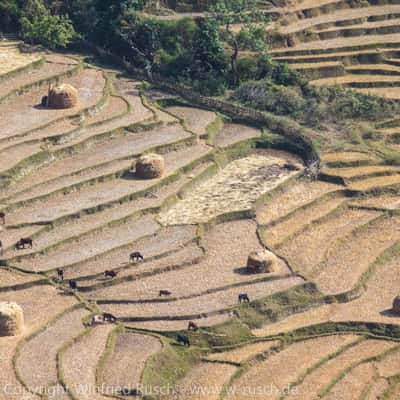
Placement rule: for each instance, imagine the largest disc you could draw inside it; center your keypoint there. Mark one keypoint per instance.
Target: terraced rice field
(68, 182)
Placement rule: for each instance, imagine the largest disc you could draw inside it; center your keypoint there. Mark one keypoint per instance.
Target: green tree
(251, 34)
(39, 26)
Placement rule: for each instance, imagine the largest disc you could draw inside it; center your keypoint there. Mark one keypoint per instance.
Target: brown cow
(192, 326)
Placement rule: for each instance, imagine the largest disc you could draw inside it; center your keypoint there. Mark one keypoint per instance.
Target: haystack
(396, 305)
(261, 261)
(150, 166)
(63, 96)
(11, 319)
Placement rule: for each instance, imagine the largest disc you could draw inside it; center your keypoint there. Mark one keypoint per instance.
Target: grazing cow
(24, 242)
(164, 293)
(243, 297)
(3, 218)
(136, 255)
(60, 274)
(110, 274)
(183, 339)
(73, 284)
(97, 319)
(44, 101)
(291, 167)
(192, 326)
(109, 317)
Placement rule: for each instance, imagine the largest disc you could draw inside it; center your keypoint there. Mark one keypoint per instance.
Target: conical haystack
(11, 319)
(396, 305)
(63, 96)
(261, 261)
(150, 166)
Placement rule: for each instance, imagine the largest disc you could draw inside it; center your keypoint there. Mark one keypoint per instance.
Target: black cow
(73, 284)
(243, 297)
(60, 274)
(136, 255)
(24, 242)
(109, 317)
(110, 273)
(1, 247)
(44, 101)
(183, 339)
(164, 293)
(3, 218)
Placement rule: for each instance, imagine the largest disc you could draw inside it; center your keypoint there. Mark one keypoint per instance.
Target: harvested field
(11, 58)
(315, 382)
(125, 366)
(357, 172)
(244, 353)
(275, 234)
(351, 258)
(204, 304)
(284, 367)
(166, 325)
(102, 193)
(158, 243)
(219, 268)
(308, 249)
(374, 305)
(234, 188)
(388, 92)
(385, 201)
(204, 382)
(345, 157)
(291, 198)
(89, 82)
(92, 245)
(353, 384)
(377, 182)
(41, 350)
(195, 119)
(68, 183)
(80, 359)
(233, 133)
(11, 278)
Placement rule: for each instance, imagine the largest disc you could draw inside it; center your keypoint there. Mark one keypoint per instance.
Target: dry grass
(353, 384)
(278, 233)
(340, 15)
(356, 78)
(372, 306)
(233, 133)
(307, 250)
(234, 188)
(227, 247)
(204, 382)
(291, 198)
(388, 92)
(79, 363)
(11, 58)
(195, 119)
(244, 353)
(387, 201)
(125, 366)
(283, 368)
(90, 84)
(349, 156)
(41, 350)
(377, 182)
(317, 380)
(352, 256)
(338, 43)
(353, 172)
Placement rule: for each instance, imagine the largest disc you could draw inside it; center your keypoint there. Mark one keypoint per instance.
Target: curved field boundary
(23, 69)
(354, 365)
(53, 79)
(28, 164)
